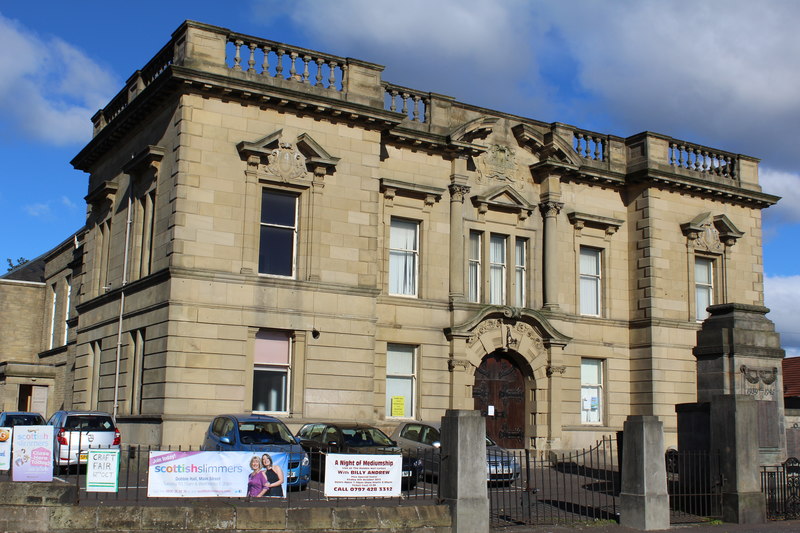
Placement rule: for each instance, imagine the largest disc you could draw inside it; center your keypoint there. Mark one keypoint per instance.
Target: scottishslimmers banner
(205, 474)
(33, 453)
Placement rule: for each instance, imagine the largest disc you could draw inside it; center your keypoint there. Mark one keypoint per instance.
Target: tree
(12, 266)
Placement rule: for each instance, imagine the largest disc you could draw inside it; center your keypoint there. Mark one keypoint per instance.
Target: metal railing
(694, 486)
(780, 485)
(563, 488)
(134, 479)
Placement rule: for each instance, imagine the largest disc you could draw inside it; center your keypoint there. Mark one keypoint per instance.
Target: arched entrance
(499, 394)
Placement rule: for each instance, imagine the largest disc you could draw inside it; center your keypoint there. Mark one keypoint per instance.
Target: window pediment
(504, 198)
(287, 160)
(711, 233)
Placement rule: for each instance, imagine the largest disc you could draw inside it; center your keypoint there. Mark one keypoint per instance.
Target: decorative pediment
(547, 146)
(287, 160)
(479, 128)
(711, 233)
(504, 198)
(515, 323)
(607, 224)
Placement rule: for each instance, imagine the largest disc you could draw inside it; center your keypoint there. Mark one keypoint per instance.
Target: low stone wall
(43, 507)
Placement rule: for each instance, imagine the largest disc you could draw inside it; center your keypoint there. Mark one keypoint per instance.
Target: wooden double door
(499, 394)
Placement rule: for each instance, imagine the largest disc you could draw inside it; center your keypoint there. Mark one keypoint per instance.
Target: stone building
(276, 229)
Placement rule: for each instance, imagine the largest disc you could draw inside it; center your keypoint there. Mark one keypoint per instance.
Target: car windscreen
(24, 420)
(365, 437)
(261, 432)
(89, 423)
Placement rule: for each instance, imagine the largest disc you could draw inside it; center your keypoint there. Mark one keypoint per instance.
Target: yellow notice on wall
(398, 405)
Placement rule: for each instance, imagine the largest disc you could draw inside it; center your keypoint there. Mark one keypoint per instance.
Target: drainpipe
(122, 304)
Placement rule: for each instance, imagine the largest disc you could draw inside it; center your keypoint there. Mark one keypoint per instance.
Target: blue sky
(723, 73)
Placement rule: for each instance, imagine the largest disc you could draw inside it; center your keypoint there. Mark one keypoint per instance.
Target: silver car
(424, 438)
(75, 432)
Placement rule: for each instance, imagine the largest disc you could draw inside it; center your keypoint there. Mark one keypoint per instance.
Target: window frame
(596, 278)
(497, 266)
(475, 266)
(294, 229)
(412, 377)
(285, 369)
(520, 272)
(599, 386)
(413, 253)
(707, 286)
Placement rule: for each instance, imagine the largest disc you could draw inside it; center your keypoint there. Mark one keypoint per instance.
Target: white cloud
(722, 70)
(37, 210)
(48, 88)
(68, 203)
(782, 296)
(787, 186)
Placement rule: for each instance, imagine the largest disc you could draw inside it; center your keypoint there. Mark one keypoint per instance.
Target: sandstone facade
(398, 240)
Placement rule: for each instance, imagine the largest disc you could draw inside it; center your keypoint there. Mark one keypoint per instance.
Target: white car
(75, 432)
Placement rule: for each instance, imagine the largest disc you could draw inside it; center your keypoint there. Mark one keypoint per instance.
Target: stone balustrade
(702, 159)
(411, 103)
(218, 51)
(592, 146)
(278, 60)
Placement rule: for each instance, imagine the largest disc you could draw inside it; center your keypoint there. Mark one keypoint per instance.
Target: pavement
(784, 526)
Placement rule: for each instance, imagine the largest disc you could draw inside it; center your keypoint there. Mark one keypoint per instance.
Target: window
(400, 380)
(403, 257)
(278, 239)
(271, 371)
(66, 309)
(520, 272)
(703, 286)
(54, 295)
(590, 281)
(591, 391)
(474, 267)
(497, 269)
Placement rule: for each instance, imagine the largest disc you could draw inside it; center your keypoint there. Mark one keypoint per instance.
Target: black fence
(562, 488)
(780, 485)
(694, 485)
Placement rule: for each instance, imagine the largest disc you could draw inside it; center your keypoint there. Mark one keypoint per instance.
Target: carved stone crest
(708, 239)
(497, 163)
(286, 162)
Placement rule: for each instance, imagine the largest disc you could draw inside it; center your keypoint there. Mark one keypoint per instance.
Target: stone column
(463, 485)
(458, 190)
(734, 419)
(550, 210)
(555, 371)
(644, 501)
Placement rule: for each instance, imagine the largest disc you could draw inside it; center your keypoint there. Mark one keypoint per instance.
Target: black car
(324, 438)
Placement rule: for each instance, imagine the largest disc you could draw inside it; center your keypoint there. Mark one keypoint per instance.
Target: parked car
(259, 434)
(501, 465)
(323, 438)
(10, 419)
(75, 432)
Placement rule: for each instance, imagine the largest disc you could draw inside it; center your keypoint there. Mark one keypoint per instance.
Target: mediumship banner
(206, 474)
(363, 475)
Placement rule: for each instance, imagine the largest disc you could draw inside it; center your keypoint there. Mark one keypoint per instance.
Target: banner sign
(213, 474)
(363, 475)
(102, 471)
(33, 453)
(5, 448)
